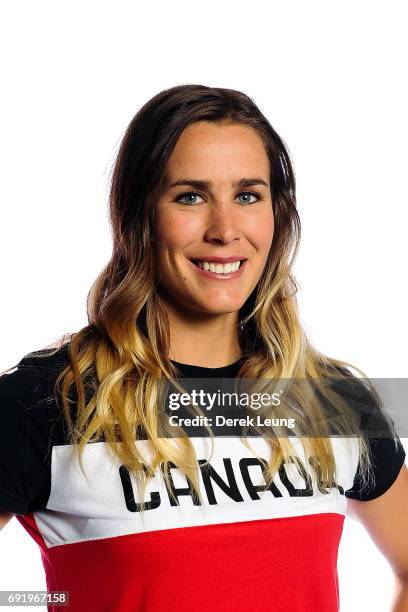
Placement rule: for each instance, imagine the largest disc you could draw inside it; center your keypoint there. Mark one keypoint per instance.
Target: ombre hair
(119, 361)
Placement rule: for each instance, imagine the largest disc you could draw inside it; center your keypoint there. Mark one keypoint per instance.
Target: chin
(220, 309)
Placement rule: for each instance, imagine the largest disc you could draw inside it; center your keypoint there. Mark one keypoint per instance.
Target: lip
(214, 275)
(221, 260)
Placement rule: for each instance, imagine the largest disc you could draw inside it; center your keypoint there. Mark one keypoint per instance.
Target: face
(215, 209)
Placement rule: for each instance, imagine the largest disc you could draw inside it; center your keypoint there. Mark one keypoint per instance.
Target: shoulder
(386, 452)
(45, 362)
(30, 384)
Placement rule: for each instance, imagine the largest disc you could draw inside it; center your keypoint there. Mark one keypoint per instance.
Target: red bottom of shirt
(285, 564)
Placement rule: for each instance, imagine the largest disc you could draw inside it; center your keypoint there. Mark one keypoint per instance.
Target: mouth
(216, 270)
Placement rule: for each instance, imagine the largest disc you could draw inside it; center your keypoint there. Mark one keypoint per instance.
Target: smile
(219, 271)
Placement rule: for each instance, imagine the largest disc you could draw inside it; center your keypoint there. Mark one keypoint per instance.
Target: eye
(190, 195)
(246, 194)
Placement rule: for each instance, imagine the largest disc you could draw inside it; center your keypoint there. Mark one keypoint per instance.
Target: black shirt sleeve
(26, 424)
(387, 452)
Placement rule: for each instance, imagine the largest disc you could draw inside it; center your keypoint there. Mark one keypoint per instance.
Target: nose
(223, 223)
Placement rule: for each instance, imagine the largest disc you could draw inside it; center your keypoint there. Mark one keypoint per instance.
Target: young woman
(148, 515)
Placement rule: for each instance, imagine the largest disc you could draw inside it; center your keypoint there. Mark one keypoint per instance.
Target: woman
(199, 286)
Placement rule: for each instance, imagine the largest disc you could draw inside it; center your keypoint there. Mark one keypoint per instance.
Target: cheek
(175, 231)
(260, 230)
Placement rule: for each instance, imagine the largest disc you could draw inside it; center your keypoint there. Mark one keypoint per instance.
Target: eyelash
(187, 193)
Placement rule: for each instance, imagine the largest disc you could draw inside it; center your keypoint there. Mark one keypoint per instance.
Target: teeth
(219, 268)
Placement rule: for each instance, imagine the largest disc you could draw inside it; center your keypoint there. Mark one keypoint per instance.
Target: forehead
(206, 147)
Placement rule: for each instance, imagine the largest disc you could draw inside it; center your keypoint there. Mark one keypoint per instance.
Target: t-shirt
(244, 548)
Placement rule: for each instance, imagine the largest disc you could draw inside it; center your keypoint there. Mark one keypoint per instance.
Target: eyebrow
(243, 182)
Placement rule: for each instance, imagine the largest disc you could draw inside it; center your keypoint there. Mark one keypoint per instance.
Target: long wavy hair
(118, 362)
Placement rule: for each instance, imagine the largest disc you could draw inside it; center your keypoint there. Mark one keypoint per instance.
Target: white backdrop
(328, 76)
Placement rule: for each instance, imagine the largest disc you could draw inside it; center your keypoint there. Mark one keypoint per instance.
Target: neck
(210, 341)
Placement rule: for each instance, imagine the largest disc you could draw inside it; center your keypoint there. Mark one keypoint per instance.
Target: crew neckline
(202, 371)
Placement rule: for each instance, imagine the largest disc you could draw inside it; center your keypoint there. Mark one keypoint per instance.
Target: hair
(121, 356)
